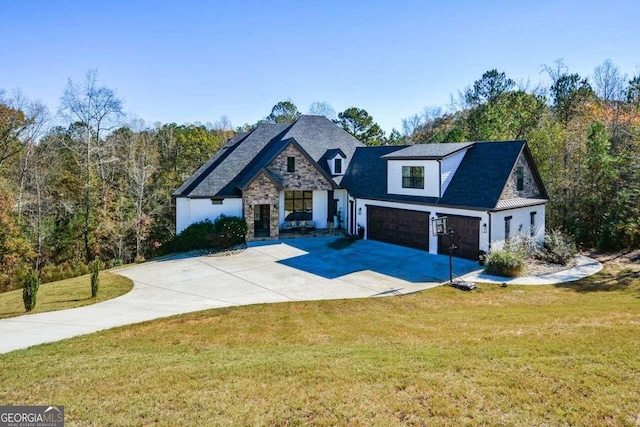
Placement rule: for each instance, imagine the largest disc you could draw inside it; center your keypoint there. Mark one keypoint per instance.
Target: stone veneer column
(262, 191)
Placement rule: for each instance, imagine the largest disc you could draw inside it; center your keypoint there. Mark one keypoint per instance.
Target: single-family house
(301, 175)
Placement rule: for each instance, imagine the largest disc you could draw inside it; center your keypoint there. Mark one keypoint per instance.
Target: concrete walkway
(268, 272)
(585, 267)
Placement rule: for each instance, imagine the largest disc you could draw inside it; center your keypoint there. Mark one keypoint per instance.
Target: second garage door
(398, 226)
(466, 237)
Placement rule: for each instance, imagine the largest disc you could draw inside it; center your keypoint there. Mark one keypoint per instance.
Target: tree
(568, 91)
(283, 112)
(633, 91)
(21, 123)
(360, 124)
(95, 109)
(395, 138)
(608, 83)
(323, 109)
(491, 85)
(512, 115)
(15, 250)
(30, 290)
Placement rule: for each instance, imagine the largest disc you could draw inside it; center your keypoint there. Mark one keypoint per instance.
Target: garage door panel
(466, 237)
(398, 226)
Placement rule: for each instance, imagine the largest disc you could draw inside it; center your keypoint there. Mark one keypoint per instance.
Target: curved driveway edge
(585, 267)
(276, 271)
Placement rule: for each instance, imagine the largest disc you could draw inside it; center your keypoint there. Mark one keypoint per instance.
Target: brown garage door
(466, 236)
(398, 226)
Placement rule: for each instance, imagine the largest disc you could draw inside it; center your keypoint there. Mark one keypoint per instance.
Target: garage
(398, 226)
(466, 237)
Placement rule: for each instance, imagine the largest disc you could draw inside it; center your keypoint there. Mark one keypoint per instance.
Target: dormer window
(337, 166)
(413, 177)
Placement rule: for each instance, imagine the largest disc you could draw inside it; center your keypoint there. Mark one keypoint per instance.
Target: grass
(65, 294)
(564, 355)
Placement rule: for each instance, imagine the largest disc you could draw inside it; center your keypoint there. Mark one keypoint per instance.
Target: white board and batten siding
(431, 178)
(190, 211)
(449, 166)
(437, 175)
(520, 224)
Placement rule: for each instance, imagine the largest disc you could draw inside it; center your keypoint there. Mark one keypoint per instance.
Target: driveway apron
(266, 272)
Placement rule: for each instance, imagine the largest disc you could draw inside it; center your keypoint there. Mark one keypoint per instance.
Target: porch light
(439, 226)
(484, 228)
(359, 211)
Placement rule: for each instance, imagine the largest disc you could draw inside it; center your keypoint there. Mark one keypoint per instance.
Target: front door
(261, 220)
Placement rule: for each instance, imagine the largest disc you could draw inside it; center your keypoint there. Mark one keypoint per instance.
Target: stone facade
(530, 188)
(305, 177)
(261, 191)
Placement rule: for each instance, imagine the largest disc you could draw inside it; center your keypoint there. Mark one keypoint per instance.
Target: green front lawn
(64, 294)
(565, 355)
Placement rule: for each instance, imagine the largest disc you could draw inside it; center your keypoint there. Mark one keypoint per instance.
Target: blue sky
(188, 61)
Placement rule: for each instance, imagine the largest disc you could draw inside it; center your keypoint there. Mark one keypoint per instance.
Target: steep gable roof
(219, 171)
(366, 176)
(477, 183)
(483, 173)
(262, 160)
(245, 154)
(317, 134)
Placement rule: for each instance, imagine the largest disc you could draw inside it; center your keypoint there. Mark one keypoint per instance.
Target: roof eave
(268, 174)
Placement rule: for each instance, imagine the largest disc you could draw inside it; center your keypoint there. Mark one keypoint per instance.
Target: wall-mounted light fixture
(359, 211)
(484, 228)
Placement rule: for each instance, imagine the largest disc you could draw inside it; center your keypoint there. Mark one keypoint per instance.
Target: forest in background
(86, 182)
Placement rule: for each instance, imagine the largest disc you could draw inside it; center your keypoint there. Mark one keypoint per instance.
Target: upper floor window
(291, 164)
(337, 166)
(413, 177)
(520, 178)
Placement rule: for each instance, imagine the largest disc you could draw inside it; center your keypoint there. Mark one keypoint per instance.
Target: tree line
(99, 185)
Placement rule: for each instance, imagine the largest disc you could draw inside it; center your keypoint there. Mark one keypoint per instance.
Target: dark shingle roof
(482, 175)
(317, 134)
(330, 154)
(216, 175)
(245, 154)
(366, 177)
(428, 151)
(477, 183)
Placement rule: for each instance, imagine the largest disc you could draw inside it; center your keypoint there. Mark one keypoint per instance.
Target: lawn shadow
(58, 301)
(605, 281)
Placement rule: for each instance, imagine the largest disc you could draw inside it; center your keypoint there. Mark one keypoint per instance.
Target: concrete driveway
(287, 270)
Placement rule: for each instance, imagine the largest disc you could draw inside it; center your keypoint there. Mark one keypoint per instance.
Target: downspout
(439, 178)
(490, 231)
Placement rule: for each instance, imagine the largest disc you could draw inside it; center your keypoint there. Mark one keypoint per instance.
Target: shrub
(523, 244)
(505, 263)
(30, 290)
(223, 233)
(558, 248)
(229, 231)
(94, 268)
(195, 236)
